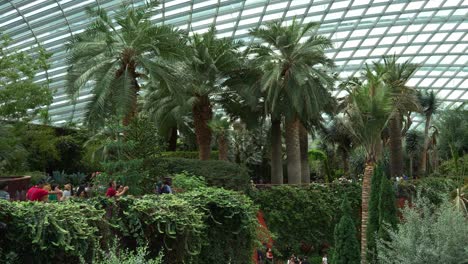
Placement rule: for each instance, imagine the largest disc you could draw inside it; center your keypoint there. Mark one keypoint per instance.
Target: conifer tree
(387, 208)
(347, 249)
(373, 222)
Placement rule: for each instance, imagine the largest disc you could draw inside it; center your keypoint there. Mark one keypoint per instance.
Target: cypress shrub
(373, 220)
(347, 250)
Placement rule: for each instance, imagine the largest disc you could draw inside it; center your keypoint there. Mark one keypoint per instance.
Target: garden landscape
(233, 132)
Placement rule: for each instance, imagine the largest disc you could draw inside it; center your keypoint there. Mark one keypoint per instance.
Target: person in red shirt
(111, 192)
(37, 193)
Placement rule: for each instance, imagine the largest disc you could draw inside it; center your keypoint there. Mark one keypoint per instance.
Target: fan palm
(414, 144)
(368, 110)
(337, 134)
(430, 105)
(404, 100)
(114, 55)
(294, 75)
(220, 126)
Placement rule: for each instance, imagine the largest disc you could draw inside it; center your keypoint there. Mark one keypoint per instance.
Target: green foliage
(115, 255)
(187, 182)
(202, 226)
(128, 154)
(230, 220)
(373, 222)
(216, 172)
(20, 97)
(62, 178)
(435, 189)
(429, 234)
(387, 208)
(454, 168)
(453, 133)
(46, 233)
(346, 249)
(305, 215)
(187, 154)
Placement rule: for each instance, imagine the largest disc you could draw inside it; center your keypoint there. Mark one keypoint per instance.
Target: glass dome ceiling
(432, 33)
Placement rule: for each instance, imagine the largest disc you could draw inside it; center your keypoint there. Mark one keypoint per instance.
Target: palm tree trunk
(396, 150)
(134, 107)
(276, 152)
(411, 167)
(202, 114)
(223, 147)
(423, 163)
(293, 151)
(172, 140)
(345, 160)
(369, 170)
(304, 145)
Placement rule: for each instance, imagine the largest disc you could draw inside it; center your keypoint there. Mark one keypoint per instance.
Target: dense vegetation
(205, 224)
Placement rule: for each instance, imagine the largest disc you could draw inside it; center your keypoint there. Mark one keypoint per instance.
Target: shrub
(187, 182)
(216, 172)
(50, 233)
(305, 215)
(429, 234)
(188, 154)
(197, 227)
(230, 220)
(435, 189)
(346, 250)
(115, 255)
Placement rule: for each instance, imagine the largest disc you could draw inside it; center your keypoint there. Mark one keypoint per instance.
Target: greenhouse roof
(432, 33)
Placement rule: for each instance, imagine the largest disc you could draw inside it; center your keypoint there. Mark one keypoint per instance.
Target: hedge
(192, 227)
(188, 154)
(216, 172)
(302, 219)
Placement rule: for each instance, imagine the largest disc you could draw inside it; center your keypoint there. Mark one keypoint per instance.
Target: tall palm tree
(205, 68)
(220, 126)
(337, 134)
(404, 100)
(295, 75)
(430, 105)
(114, 54)
(367, 112)
(413, 146)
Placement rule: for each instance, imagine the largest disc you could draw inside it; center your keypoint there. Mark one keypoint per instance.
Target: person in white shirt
(325, 259)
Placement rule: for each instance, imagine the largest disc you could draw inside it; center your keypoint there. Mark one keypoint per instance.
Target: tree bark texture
(202, 114)
(366, 181)
(276, 152)
(423, 163)
(396, 150)
(223, 147)
(172, 140)
(293, 151)
(134, 107)
(304, 145)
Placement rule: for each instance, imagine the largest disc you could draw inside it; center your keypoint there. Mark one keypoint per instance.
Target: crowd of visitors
(45, 192)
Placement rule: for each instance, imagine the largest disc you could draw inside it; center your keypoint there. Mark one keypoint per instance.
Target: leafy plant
(429, 234)
(187, 182)
(123, 256)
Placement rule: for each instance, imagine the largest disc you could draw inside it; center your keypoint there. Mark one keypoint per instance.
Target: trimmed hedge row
(303, 218)
(193, 227)
(217, 173)
(188, 154)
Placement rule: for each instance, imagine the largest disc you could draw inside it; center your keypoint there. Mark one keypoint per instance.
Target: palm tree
(115, 54)
(220, 126)
(294, 75)
(414, 144)
(367, 112)
(404, 101)
(337, 134)
(430, 105)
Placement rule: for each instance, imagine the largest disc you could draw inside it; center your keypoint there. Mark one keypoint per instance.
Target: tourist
(325, 259)
(67, 192)
(37, 193)
(4, 191)
(112, 192)
(269, 255)
(55, 194)
(82, 193)
(292, 260)
(166, 187)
